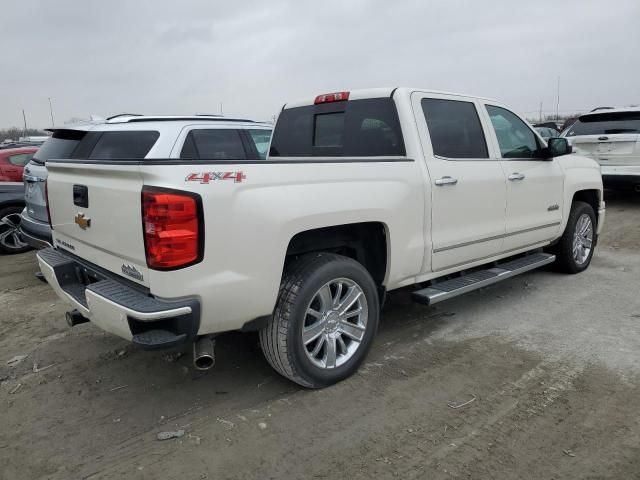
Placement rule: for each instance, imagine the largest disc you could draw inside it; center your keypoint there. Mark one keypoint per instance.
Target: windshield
(606, 124)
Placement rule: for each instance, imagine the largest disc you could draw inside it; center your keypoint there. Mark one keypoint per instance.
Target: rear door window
(354, 128)
(454, 128)
(606, 124)
(214, 144)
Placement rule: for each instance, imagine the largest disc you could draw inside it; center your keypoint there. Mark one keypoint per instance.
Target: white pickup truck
(362, 192)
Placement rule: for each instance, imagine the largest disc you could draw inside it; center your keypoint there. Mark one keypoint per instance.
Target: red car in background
(12, 162)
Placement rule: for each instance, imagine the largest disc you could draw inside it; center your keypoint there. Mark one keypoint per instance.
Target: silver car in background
(34, 221)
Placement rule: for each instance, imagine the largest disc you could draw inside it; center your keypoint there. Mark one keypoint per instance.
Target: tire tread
(273, 337)
(564, 248)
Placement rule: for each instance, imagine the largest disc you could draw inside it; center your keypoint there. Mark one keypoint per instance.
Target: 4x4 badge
(82, 222)
(206, 177)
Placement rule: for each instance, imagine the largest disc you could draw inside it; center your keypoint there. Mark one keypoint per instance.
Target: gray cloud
(186, 57)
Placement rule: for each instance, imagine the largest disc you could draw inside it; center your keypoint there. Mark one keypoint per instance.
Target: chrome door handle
(516, 176)
(446, 181)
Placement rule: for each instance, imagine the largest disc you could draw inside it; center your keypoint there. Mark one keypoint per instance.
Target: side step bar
(480, 278)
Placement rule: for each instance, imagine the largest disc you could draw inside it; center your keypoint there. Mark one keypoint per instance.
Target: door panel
(534, 203)
(468, 218)
(534, 185)
(468, 189)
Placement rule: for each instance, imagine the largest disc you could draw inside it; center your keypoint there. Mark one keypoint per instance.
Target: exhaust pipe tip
(204, 362)
(203, 353)
(74, 317)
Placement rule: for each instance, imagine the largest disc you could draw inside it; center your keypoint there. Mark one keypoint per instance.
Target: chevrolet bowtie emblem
(82, 222)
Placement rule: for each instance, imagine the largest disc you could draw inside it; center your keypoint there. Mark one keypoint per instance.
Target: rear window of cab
(353, 128)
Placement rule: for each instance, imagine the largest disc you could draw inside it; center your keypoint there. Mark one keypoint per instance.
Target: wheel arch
(588, 191)
(12, 203)
(365, 242)
(590, 196)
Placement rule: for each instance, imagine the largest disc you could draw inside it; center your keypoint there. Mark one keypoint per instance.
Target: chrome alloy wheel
(10, 237)
(582, 239)
(335, 323)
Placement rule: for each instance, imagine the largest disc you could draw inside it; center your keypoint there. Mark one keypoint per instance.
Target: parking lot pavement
(545, 366)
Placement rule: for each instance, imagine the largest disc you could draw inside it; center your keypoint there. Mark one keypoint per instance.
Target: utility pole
(51, 111)
(558, 101)
(24, 117)
(540, 112)
(221, 109)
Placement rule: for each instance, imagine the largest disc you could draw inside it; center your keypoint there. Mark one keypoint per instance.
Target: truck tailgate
(96, 215)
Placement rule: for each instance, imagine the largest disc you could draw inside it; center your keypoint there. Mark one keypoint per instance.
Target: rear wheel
(575, 249)
(10, 239)
(324, 321)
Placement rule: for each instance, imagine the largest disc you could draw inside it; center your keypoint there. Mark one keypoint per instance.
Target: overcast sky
(187, 56)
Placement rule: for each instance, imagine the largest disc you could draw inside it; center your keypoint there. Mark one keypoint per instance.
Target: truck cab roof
(361, 94)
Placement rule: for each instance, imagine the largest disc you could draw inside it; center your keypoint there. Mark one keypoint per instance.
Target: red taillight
(172, 229)
(46, 199)
(332, 97)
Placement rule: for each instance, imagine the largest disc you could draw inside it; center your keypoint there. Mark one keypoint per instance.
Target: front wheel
(324, 322)
(575, 249)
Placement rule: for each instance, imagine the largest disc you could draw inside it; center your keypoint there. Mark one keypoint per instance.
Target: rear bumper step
(118, 308)
(158, 339)
(481, 278)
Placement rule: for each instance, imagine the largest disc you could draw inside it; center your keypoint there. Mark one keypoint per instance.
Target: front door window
(515, 138)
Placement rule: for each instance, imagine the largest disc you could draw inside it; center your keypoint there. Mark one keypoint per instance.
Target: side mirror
(557, 147)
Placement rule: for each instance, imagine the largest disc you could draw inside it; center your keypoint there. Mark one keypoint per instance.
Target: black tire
(281, 339)
(13, 243)
(565, 260)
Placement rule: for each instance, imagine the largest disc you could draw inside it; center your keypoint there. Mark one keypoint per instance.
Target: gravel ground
(547, 364)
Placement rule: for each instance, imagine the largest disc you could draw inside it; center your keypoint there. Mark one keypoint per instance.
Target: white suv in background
(612, 138)
(216, 136)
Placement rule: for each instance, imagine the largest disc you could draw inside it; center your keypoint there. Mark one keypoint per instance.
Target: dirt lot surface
(550, 366)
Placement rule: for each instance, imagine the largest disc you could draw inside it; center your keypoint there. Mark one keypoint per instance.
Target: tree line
(15, 133)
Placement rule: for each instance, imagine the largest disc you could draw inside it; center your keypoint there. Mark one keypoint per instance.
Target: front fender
(580, 174)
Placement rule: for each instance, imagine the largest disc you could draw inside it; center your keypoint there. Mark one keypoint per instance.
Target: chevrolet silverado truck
(362, 192)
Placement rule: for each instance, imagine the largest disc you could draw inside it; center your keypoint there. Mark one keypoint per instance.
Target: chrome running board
(480, 278)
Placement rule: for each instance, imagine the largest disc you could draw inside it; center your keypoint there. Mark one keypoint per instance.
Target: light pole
(558, 101)
(51, 111)
(24, 118)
